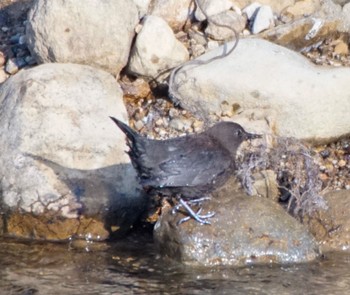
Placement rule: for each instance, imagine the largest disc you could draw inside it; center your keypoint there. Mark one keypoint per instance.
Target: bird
(188, 167)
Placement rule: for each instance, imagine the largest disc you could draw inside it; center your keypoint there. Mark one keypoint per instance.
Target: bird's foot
(195, 215)
(190, 202)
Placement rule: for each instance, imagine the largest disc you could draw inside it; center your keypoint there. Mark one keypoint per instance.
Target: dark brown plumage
(190, 166)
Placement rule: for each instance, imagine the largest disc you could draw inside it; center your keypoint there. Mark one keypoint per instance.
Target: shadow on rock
(104, 199)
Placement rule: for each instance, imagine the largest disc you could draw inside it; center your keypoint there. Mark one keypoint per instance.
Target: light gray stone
(251, 10)
(277, 6)
(93, 33)
(263, 19)
(142, 6)
(211, 8)
(219, 25)
(177, 13)
(156, 49)
(272, 84)
(60, 151)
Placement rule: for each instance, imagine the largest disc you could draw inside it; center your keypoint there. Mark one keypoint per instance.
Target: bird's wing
(194, 162)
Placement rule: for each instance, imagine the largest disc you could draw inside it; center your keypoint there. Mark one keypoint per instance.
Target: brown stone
(341, 48)
(331, 227)
(294, 35)
(54, 228)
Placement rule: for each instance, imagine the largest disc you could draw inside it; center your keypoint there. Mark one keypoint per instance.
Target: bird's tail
(130, 134)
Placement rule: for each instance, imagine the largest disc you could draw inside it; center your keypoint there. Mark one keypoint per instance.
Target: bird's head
(230, 135)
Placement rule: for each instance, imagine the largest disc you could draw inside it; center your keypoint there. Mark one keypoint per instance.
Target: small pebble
(22, 40)
(159, 122)
(11, 66)
(173, 113)
(342, 163)
(325, 153)
(138, 125)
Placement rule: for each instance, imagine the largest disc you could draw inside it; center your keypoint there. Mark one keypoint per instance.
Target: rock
(63, 168)
(93, 34)
(3, 76)
(345, 19)
(277, 6)
(331, 227)
(2, 59)
(303, 32)
(251, 10)
(245, 230)
(341, 2)
(136, 89)
(177, 13)
(211, 8)
(11, 66)
(263, 19)
(156, 49)
(142, 6)
(218, 25)
(315, 110)
(301, 9)
(341, 48)
(265, 185)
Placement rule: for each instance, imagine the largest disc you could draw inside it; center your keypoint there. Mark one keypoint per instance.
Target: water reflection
(133, 267)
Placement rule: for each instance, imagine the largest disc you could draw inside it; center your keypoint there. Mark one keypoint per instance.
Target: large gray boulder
(270, 83)
(96, 33)
(62, 158)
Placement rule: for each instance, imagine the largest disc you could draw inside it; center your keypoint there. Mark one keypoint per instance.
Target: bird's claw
(202, 219)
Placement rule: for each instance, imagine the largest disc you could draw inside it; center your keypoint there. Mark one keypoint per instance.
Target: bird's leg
(200, 218)
(190, 202)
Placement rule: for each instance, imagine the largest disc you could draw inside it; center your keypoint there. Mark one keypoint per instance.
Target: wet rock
(98, 35)
(148, 58)
(177, 13)
(211, 8)
(331, 227)
(54, 228)
(306, 113)
(244, 230)
(219, 25)
(61, 162)
(263, 19)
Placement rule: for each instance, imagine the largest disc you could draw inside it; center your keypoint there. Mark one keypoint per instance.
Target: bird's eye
(239, 133)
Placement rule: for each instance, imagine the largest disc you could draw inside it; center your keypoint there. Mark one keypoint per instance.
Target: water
(132, 266)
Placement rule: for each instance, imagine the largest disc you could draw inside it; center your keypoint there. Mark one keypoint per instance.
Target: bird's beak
(252, 136)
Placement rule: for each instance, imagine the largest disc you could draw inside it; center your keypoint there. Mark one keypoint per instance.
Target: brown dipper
(188, 167)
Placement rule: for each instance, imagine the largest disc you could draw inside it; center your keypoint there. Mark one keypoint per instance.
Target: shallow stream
(132, 266)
